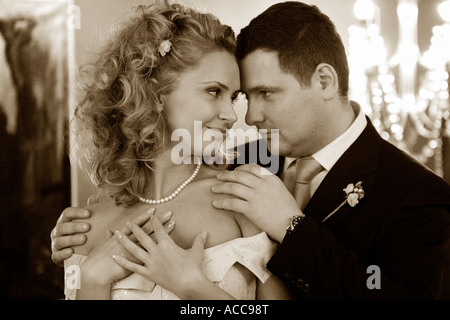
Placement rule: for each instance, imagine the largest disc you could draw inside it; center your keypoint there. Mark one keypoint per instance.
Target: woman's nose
(228, 114)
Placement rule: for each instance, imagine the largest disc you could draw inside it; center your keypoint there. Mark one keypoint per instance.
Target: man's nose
(254, 113)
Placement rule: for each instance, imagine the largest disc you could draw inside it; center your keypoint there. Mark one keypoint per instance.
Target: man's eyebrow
(261, 88)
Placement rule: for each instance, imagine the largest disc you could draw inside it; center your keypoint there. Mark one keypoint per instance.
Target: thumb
(199, 242)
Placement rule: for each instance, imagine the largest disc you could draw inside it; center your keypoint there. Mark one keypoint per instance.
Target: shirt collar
(331, 153)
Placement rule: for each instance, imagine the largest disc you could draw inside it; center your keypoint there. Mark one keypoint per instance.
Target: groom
(377, 224)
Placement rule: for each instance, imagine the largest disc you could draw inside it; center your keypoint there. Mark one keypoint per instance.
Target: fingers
(168, 227)
(68, 241)
(144, 217)
(159, 231)
(73, 213)
(65, 227)
(144, 239)
(131, 247)
(254, 169)
(236, 205)
(199, 242)
(59, 256)
(131, 266)
(236, 189)
(242, 177)
(148, 227)
(69, 228)
(144, 221)
(139, 220)
(66, 234)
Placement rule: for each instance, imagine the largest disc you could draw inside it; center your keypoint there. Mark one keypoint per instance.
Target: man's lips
(265, 133)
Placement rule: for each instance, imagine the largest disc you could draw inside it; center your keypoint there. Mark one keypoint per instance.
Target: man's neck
(340, 117)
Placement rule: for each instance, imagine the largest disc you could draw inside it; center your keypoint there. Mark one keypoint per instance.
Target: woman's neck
(167, 176)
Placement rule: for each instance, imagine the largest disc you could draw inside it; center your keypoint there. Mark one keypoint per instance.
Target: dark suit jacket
(401, 226)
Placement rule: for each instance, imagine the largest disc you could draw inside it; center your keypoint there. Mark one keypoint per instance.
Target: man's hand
(99, 264)
(260, 196)
(67, 234)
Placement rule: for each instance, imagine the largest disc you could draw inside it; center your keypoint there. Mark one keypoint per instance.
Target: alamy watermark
(374, 280)
(72, 277)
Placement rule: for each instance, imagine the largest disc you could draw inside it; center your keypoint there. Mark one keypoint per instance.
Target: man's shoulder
(408, 176)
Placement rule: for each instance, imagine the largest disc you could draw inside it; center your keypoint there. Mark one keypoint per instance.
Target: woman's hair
(119, 122)
(302, 36)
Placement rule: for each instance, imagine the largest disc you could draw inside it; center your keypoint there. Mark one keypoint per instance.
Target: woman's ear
(329, 81)
(160, 104)
(159, 97)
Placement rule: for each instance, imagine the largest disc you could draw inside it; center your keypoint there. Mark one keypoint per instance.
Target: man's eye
(266, 94)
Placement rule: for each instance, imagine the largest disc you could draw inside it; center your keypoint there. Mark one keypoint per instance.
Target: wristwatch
(295, 220)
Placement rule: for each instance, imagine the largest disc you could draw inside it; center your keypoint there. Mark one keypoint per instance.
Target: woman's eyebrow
(223, 86)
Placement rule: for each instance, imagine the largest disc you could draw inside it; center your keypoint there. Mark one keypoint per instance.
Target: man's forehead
(261, 58)
(261, 71)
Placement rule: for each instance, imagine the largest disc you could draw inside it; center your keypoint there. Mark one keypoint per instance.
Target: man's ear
(329, 81)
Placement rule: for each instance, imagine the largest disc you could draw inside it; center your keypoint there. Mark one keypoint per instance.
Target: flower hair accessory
(353, 193)
(164, 47)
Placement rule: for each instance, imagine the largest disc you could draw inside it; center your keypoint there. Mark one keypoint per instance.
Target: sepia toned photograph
(225, 150)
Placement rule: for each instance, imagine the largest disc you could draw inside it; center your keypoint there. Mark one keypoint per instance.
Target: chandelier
(408, 108)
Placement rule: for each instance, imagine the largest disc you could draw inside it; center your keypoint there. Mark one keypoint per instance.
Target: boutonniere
(353, 193)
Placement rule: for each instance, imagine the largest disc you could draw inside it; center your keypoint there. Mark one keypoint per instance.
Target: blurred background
(399, 54)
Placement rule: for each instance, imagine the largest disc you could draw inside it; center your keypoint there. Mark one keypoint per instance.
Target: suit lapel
(257, 152)
(355, 164)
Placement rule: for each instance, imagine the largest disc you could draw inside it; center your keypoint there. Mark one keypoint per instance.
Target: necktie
(298, 176)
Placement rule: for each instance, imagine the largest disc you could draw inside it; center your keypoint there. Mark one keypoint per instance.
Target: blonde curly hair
(118, 126)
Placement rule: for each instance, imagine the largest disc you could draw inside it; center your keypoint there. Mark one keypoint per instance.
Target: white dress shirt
(330, 154)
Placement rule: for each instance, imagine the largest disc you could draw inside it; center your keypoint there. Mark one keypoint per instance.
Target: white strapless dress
(233, 266)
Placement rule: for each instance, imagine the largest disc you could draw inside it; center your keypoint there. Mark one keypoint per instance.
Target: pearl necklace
(176, 192)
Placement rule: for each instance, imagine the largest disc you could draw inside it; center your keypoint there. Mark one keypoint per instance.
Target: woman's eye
(214, 92)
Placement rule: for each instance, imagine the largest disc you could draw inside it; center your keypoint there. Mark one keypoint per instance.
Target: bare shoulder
(247, 228)
(98, 220)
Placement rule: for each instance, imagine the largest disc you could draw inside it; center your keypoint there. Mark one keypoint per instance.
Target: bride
(165, 68)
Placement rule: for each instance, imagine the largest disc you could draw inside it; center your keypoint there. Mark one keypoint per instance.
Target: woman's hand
(99, 267)
(163, 261)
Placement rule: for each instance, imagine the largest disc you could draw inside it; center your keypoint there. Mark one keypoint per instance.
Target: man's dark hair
(302, 36)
